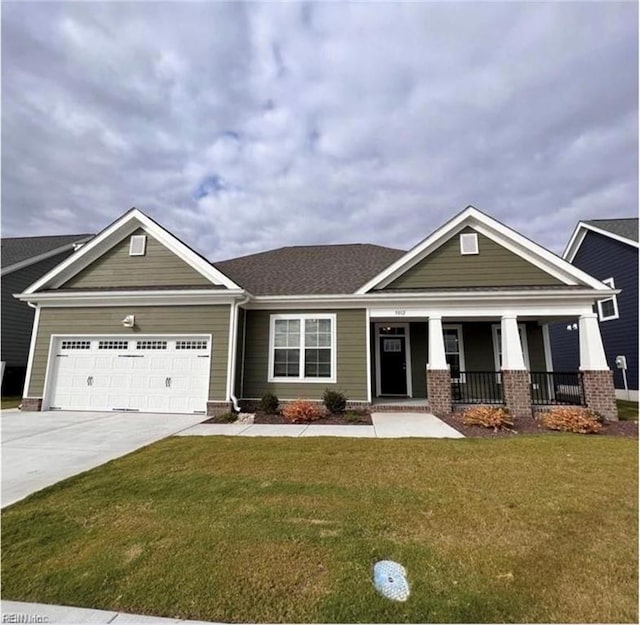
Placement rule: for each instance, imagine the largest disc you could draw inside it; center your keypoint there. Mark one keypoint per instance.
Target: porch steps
(400, 407)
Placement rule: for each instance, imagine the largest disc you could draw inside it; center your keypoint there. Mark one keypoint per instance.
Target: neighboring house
(136, 320)
(24, 260)
(608, 250)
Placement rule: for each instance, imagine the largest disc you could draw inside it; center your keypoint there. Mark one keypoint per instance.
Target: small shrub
(353, 416)
(334, 401)
(301, 411)
(227, 417)
(269, 403)
(578, 420)
(488, 417)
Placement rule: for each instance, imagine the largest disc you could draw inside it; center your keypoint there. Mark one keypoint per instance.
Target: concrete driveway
(42, 448)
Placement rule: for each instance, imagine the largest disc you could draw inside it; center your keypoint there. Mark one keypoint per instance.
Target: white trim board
(580, 233)
(498, 232)
(116, 232)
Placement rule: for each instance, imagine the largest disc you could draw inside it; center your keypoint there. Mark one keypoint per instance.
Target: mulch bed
(531, 426)
(355, 418)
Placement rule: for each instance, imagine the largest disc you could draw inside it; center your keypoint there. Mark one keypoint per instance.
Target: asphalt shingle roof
(627, 227)
(309, 270)
(15, 250)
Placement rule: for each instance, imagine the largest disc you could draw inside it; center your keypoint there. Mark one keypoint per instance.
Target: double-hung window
(608, 308)
(497, 345)
(454, 351)
(302, 348)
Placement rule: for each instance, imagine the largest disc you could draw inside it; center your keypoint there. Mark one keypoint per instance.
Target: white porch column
(512, 356)
(592, 356)
(437, 359)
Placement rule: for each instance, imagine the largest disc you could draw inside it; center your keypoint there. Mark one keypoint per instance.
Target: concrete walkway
(385, 425)
(20, 612)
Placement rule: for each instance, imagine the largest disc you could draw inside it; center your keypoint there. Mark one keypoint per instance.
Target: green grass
(10, 402)
(627, 410)
(526, 529)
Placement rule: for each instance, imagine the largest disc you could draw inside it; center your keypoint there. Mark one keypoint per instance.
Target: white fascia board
(505, 236)
(118, 230)
(40, 257)
(133, 298)
(579, 234)
(585, 295)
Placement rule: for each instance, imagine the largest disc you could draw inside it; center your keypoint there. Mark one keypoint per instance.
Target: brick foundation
(216, 408)
(600, 394)
(31, 404)
(517, 392)
(439, 391)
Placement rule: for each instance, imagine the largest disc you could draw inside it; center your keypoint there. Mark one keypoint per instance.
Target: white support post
(512, 356)
(437, 358)
(592, 356)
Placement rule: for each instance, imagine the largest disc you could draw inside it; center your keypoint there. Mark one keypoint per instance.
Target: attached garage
(159, 373)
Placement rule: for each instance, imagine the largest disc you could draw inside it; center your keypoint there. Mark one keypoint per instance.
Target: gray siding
(351, 358)
(158, 267)
(17, 316)
(212, 320)
(493, 266)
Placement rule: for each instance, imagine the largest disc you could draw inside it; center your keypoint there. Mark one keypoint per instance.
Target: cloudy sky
(249, 126)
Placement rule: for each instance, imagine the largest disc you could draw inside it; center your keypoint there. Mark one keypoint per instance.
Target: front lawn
(627, 410)
(525, 529)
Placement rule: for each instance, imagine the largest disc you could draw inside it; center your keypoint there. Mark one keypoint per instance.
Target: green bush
(269, 403)
(227, 417)
(334, 401)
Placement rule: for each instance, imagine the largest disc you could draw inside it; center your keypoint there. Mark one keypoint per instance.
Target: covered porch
(425, 360)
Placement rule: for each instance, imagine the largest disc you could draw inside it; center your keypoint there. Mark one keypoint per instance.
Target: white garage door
(145, 374)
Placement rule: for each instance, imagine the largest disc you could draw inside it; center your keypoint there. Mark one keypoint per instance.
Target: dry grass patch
(532, 529)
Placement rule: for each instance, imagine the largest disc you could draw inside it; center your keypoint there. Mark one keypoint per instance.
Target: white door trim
(407, 355)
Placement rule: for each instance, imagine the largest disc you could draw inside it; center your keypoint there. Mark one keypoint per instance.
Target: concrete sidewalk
(385, 425)
(21, 612)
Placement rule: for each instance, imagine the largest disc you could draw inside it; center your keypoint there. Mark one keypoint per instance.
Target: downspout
(234, 340)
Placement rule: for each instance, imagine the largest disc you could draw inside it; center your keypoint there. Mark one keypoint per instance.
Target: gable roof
(19, 252)
(624, 230)
(115, 232)
(309, 270)
(495, 230)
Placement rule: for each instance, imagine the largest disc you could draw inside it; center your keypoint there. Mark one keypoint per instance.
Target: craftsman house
(137, 321)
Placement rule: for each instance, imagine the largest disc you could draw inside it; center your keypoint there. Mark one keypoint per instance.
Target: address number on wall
(399, 313)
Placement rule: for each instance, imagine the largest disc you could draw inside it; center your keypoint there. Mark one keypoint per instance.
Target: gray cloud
(243, 127)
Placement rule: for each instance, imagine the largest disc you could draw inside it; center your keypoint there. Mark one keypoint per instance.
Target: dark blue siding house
(608, 250)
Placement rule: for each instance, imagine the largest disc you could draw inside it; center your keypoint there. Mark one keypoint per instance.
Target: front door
(393, 365)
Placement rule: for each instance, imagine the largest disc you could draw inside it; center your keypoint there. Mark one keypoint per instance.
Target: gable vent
(469, 243)
(137, 245)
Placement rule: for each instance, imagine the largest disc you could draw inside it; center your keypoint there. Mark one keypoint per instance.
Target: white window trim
(466, 239)
(407, 355)
(613, 298)
(301, 378)
(522, 327)
(137, 238)
(458, 328)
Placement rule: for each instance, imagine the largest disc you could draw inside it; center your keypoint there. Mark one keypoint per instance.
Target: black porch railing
(476, 387)
(557, 388)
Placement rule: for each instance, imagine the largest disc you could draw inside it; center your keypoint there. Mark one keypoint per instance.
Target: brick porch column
(516, 384)
(438, 374)
(599, 391)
